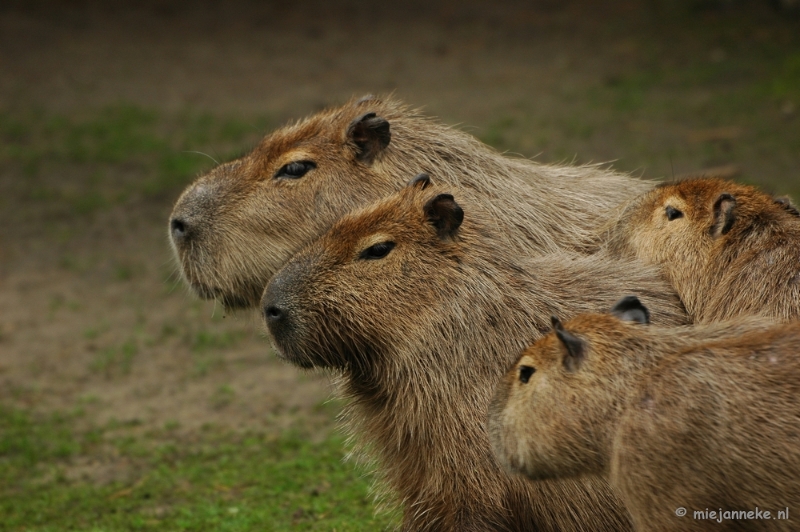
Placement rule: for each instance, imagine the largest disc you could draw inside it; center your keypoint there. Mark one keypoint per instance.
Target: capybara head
(678, 224)
(553, 413)
(388, 262)
(234, 227)
(728, 249)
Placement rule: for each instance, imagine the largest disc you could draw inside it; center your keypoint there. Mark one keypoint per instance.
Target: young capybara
(682, 419)
(411, 303)
(728, 249)
(236, 226)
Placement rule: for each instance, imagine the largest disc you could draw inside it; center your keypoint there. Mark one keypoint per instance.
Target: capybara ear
(421, 181)
(786, 203)
(629, 308)
(371, 134)
(724, 215)
(575, 349)
(366, 98)
(445, 214)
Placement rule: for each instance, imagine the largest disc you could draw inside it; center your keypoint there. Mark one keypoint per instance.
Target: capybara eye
(673, 213)
(295, 169)
(378, 251)
(525, 373)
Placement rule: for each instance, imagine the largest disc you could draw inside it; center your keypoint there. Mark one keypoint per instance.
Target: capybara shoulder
(237, 225)
(691, 417)
(729, 249)
(417, 304)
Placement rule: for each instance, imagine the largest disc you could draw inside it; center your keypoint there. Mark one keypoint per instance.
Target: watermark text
(719, 515)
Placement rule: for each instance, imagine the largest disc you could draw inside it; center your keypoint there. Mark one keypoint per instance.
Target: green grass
(207, 348)
(211, 480)
(644, 114)
(116, 153)
(116, 359)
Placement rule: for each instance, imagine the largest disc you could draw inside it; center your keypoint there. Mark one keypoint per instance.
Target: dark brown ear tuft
(724, 215)
(422, 181)
(629, 308)
(576, 350)
(445, 214)
(370, 133)
(556, 323)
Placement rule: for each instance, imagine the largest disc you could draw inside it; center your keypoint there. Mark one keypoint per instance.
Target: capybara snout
(249, 216)
(209, 215)
(191, 221)
(276, 305)
(285, 315)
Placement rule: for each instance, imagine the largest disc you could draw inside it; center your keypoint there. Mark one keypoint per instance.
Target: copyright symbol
(680, 512)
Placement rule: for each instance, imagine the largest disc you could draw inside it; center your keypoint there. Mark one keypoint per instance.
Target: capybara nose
(278, 320)
(276, 307)
(282, 301)
(179, 230)
(274, 314)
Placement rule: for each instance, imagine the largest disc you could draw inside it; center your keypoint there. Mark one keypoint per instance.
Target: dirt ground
(92, 310)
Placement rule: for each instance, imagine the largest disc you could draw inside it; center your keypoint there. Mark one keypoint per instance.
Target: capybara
(236, 226)
(728, 249)
(413, 304)
(693, 419)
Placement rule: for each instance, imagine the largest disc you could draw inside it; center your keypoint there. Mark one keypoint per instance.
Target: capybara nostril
(274, 313)
(179, 229)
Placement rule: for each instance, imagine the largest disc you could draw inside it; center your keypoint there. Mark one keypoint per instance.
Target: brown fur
(239, 224)
(740, 258)
(421, 336)
(703, 417)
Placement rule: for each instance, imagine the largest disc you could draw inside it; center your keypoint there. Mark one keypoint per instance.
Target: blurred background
(128, 404)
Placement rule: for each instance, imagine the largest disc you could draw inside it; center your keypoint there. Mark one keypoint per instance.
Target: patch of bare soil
(100, 320)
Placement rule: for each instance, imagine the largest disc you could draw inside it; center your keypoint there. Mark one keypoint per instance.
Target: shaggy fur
(702, 417)
(421, 314)
(236, 226)
(729, 249)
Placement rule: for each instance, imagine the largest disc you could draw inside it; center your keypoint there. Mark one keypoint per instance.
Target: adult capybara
(729, 249)
(412, 302)
(236, 226)
(686, 418)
